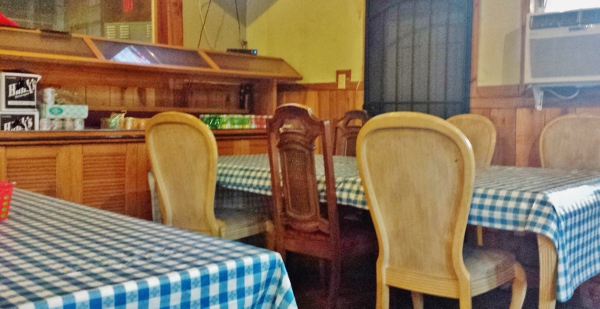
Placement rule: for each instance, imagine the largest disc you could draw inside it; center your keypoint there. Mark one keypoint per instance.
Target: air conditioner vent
(111, 32)
(569, 19)
(565, 19)
(124, 31)
(545, 21)
(589, 17)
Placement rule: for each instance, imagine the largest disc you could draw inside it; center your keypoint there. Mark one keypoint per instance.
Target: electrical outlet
(342, 78)
(341, 81)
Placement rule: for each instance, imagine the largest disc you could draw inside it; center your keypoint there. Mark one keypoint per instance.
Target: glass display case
(149, 54)
(45, 42)
(143, 78)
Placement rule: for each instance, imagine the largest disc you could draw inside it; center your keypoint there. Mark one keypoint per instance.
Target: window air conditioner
(562, 49)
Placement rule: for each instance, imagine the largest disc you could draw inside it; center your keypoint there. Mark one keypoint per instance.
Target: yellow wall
(221, 24)
(499, 49)
(319, 37)
(316, 37)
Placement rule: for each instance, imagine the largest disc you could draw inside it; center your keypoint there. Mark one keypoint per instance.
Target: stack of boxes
(18, 101)
(62, 117)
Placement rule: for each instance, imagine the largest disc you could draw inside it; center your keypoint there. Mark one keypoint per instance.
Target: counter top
(15, 138)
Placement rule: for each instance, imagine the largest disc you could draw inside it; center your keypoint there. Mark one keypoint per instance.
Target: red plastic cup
(6, 188)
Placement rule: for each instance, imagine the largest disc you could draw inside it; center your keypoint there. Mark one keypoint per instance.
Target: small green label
(55, 110)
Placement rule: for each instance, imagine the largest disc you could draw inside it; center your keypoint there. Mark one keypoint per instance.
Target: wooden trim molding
(14, 138)
(359, 86)
(169, 22)
(481, 94)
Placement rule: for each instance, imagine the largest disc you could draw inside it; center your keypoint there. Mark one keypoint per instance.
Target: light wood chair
(417, 172)
(346, 131)
(572, 142)
(301, 224)
(481, 132)
(183, 155)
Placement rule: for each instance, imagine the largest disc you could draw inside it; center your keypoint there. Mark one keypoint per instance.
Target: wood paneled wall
(519, 124)
(325, 100)
(512, 108)
(512, 111)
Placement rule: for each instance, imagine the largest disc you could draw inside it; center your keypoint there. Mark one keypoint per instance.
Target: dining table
(59, 254)
(562, 207)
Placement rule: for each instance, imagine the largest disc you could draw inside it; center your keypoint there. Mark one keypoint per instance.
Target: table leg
(548, 260)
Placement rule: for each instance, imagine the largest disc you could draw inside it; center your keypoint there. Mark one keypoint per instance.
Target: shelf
(158, 109)
(152, 78)
(89, 51)
(96, 136)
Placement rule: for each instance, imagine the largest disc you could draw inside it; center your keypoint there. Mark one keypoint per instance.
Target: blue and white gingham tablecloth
(57, 254)
(559, 204)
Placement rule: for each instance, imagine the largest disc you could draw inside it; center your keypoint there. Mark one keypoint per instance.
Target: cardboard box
(63, 111)
(19, 90)
(19, 120)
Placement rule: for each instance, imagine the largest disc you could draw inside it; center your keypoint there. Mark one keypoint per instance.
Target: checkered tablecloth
(57, 254)
(562, 205)
(251, 173)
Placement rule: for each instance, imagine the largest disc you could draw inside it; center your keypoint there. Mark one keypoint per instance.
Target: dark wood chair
(302, 223)
(346, 131)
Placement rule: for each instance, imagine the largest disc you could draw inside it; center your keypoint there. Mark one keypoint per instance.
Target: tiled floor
(360, 291)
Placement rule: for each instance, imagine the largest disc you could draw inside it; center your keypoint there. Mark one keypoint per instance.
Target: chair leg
(479, 236)
(417, 299)
(322, 273)
(270, 235)
(334, 283)
(383, 291)
(519, 288)
(465, 303)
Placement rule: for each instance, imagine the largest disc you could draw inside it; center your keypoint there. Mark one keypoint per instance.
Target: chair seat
(235, 224)
(489, 268)
(357, 238)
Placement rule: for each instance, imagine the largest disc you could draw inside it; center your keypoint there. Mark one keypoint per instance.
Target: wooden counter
(105, 169)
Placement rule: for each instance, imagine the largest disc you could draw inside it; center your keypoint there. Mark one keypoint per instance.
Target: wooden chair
(481, 132)
(346, 131)
(571, 141)
(183, 154)
(417, 171)
(301, 224)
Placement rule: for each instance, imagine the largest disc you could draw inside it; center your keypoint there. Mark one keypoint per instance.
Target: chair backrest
(417, 172)
(183, 154)
(571, 141)
(292, 134)
(481, 132)
(346, 131)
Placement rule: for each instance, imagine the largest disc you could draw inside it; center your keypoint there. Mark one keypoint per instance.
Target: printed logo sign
(17, 122)
(20, 91)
